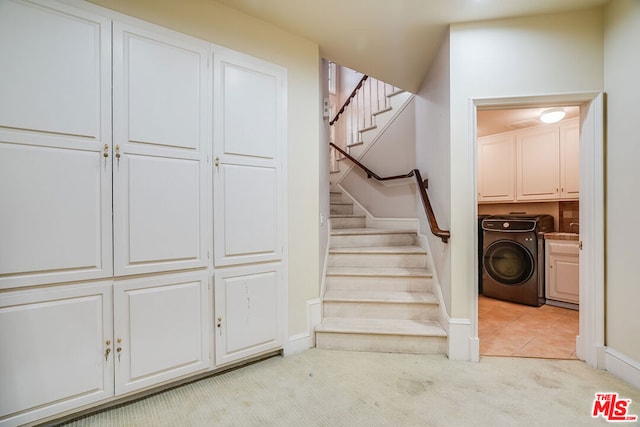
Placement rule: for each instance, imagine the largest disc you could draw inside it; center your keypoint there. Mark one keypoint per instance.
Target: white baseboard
(306, 340)
(622, 366)
(462, 345)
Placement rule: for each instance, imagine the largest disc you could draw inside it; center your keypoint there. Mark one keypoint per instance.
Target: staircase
(378, 289)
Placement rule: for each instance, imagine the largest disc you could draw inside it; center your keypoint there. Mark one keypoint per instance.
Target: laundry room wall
(540, 55)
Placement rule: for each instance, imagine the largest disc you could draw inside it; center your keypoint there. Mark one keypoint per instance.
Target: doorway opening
(528, 168)
(581, 216)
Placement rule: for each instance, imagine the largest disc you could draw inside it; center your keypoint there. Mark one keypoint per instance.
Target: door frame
(590, 343)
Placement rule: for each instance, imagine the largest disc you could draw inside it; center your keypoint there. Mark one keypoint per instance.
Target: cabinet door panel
(162, 140)
(53, 222)
(496, 169)
(570, 160)
(248, 185)
(161, 326)
(562, 271)
(55, 119)
(162, 224)
(53, 350)
(538, 164)
(248, 311)
(249, 203)
(260, 109)
(55, 68)
(163, 110)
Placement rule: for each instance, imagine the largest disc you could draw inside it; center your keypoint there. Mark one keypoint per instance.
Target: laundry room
(528, 231)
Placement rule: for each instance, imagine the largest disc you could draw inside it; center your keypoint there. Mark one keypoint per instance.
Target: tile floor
(509, 329)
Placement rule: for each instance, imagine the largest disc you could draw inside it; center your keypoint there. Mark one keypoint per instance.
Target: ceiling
(391, 40)
(496, 121)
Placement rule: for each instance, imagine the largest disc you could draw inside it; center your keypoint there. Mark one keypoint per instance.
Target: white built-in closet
(142, 207)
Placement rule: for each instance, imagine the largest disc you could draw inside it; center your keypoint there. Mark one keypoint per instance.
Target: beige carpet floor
(337, 388)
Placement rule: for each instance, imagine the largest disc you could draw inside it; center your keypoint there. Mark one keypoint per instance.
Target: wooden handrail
(431, 217)
(348, 101)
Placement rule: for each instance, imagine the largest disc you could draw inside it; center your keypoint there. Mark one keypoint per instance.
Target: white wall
(432, 159)
(528, 56)
(212, 21)
(390, 155)
(323, 184)
(621, 71)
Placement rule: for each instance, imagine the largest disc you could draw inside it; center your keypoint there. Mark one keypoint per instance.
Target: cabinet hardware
(216, 162)
(106, 150)
(118, 152)
(106, 354)
(219, 325)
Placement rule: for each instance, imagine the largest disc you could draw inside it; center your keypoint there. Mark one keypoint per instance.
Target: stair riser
(348, 222)
(365, 283)
(381, 343)
(337, 198)
(335, 209)
(377, 260)
(381, 310)
(362, 240)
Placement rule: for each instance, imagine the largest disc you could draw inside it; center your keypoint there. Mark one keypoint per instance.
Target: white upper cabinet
(162, 142)
(55, 131)
(570, 160)
(534, 164)
(538, 173)
(249, 136)
(496, 168)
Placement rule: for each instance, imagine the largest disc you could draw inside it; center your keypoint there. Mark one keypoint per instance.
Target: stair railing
(368, 98)
(444, 235)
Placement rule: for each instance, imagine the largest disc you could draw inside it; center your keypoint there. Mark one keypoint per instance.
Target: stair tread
(369, 230)
(379, 271)
(381, 326)
(367, 250)
(380, 296)
(341, 203)
(347, 216)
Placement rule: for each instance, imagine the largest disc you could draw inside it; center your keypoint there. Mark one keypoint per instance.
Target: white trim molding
(462, 344)
(306, 340)
(622, 366)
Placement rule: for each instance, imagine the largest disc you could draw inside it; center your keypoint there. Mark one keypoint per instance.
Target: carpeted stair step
(381, 304)
(378, 256)
(363, 237)
(341, 208)
(379, 279)
(348, 221)
(382, 335)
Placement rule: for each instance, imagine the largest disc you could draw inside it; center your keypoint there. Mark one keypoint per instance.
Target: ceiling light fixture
(552, 115)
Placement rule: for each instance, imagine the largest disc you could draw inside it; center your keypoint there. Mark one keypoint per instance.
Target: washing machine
(513, 257)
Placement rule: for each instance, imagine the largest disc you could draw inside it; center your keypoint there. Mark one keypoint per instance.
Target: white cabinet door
(570, 160)
(55, 127)
(53, 354)
(161, 329)
(249, 126)
(562, 271)
(496, 168)
(248, 311)
(538, 164)
(162, 139)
